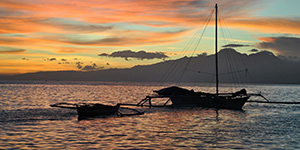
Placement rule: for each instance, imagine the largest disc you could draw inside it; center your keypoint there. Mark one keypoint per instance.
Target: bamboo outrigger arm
(65, 105)
(269, 102)
(260, 96)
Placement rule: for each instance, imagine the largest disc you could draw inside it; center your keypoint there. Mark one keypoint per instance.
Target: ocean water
(28, 122)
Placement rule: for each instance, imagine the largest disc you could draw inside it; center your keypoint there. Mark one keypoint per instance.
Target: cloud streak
(267, 25)
(130, 38)
(72, 25)
(10, 50)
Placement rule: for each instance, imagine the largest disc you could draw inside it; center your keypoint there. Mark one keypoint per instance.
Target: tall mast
(216, 51)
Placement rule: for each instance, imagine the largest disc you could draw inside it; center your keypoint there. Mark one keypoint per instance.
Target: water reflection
(27, 121)
(192, 127)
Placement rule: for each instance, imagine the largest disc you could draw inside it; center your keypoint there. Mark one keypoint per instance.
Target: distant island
(261, 67)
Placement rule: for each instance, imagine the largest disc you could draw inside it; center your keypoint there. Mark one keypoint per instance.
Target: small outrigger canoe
(86, 110)
(90, 109)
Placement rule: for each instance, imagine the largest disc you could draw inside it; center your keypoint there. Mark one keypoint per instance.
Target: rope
(176, 63)
(189, 60)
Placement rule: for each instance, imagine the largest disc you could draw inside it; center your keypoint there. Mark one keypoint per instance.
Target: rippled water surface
(28, 122)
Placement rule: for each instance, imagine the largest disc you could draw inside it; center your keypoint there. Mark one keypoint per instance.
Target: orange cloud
(128, 38)
(267, 39)
(167, 11)
(268, 25)
(25, 66)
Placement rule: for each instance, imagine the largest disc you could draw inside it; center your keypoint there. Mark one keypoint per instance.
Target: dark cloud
(90, 67)
(103, 54)
(254, 50)
(63, 59)
(289, 58)
(285, 46)
(79, 65)
(11, 50)
(49, 59)
(203, 54)
(235, 45)
(64, 62)
(139, 55)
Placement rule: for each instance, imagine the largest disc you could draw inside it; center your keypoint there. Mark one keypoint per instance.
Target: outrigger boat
(86, 110)
(181, 97)
(184, 97)
(89, 109)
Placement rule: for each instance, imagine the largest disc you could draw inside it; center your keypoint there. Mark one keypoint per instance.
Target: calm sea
(28, 122)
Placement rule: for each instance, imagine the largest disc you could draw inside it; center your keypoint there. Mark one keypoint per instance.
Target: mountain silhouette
(234, 67)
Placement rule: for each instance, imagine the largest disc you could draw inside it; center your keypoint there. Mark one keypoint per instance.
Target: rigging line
(212, 81)
(222, 30)
(200, 72)
(208, 20)
(232, 68)
(250, 75)
(243, 62)
(172, 68)
(237, 77)
(232, 62)
(228, 58)
(234, 72)
(202, 34)
(175, 63)
(226, 29)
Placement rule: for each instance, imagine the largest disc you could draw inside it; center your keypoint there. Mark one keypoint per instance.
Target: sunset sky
(56, 35)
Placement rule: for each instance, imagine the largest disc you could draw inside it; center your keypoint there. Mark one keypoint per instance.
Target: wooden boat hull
(223, 102)
(90, 110)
